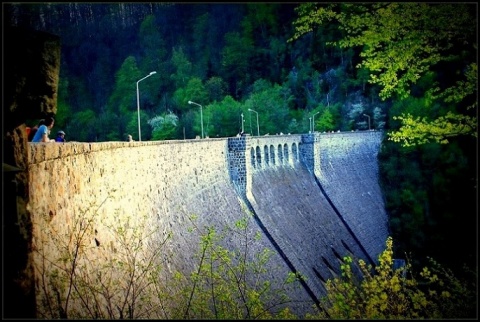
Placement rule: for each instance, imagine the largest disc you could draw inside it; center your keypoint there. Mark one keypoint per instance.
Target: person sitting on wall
(34, 130)
(129, 138)
(44, 130)
(60, 137)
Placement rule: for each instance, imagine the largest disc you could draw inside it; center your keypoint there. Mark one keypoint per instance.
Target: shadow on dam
(303, 225)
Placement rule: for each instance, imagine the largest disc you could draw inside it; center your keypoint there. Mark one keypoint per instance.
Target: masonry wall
(157, 187)
(320, 199)
(347, 170)
(179, 188)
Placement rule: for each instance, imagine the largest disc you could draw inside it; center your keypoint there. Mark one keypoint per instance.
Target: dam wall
(318, 196)
(347, 170)
(105, 197)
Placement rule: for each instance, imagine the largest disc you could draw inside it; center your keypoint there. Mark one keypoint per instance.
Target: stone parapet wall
(65, 177)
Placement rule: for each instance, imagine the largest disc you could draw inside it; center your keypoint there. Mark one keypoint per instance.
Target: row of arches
(272, 156)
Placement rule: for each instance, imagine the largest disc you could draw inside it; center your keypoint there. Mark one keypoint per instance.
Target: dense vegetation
(226, 57)
(227, 282)
(407, 68)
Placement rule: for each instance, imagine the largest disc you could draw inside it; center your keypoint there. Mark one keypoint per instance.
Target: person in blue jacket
(60, 136)
(44, 130)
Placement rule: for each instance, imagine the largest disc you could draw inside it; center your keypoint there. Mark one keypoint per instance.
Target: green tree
(64, 111)
(164, 127)
(132, 126)
(182, 68)
(325, 121)
(124, 95)
(81, 125)
(201, 49)
(236, 58)
(194, 90)
(400, 43)
(390, 292)
(122, 102)
(216, 88)
(272, 103)
(221, 119)
(228, 283)
(153, 58)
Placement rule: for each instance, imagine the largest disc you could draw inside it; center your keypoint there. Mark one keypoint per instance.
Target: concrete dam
(314, 198)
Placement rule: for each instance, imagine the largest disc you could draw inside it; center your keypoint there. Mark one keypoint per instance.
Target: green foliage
(131, 118)
(216, 88)
(182, 67)
(423, 188)
(271, 102)
(464, 88)
(163, 127)
(400, 43)
(152, 43)
(388, 292)
(228, 284)
(236, 58)
(81, 126)
(222, 119)
(132, 126)
(194, 90)
(202, 52)
(325, 121)
(124, 96)
(420, 130)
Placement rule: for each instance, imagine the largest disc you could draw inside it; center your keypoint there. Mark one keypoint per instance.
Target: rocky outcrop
(31, 73)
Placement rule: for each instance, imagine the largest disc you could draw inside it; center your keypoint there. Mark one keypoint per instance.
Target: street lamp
(368, 120)
(309, 125)
(258, 126)
(313, 122)
(138, 105)
(201, 114)
(242, 124)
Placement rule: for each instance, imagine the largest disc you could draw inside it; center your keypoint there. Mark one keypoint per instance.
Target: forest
(409, 69)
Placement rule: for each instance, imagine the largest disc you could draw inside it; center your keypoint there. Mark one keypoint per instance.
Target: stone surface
(158, 186)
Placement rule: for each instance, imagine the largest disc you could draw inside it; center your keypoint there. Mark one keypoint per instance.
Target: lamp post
(313, 122)
(243, 131)
(310, 124)
(258, 126)
(368, 120)
(201, 114)
(138, 105)
(251, 131)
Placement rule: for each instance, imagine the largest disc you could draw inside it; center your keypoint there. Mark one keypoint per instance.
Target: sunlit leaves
(464, 88)
(420, 130)
(228, 283)
(310, 16)
(325, 121)
(396, 293)
(400, 43)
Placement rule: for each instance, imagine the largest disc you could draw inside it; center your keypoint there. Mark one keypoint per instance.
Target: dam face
(312, 198)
